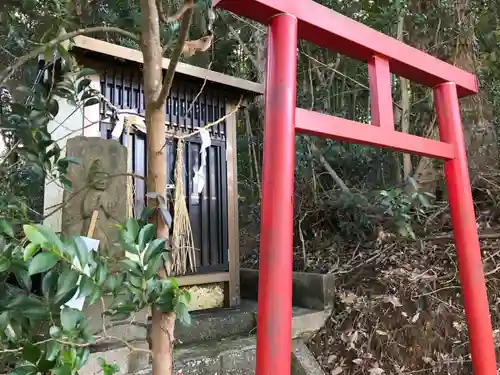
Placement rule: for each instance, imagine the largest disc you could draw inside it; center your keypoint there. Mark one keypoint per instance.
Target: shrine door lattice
(122, 86)
(287, 21)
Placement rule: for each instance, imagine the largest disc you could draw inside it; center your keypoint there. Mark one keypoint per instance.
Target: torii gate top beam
(326, 28)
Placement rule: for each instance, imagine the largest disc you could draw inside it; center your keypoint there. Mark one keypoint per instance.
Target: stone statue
(99, 184)
(97, 198)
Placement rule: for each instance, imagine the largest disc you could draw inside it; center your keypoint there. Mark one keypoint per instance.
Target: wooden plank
(207, 278)
(233, 294)
(326, 28)
(314, 123)
(129, 54)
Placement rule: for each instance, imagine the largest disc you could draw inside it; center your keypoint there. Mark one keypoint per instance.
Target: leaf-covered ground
(398, 308)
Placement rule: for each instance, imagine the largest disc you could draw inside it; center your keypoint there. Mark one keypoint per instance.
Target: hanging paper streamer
(199, 175)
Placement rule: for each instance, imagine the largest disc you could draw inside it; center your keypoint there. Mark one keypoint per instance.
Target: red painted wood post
(274, 315)
(465, 230)
(379, 75)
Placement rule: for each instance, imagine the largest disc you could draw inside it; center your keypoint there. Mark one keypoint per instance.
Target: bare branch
(7, 72)
(169, 19)
(341, 184)
(176, 55)
(242, 44)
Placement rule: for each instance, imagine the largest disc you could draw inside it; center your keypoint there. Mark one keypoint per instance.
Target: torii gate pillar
(288, 20)
(275, 288)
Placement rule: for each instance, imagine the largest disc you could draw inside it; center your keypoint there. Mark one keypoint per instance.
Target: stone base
(235, 357)
(309, 290)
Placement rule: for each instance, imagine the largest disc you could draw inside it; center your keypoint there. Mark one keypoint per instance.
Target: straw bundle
(183, 251)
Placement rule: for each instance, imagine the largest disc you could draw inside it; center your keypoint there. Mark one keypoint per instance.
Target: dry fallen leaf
(337, 370)
(376, 371)
(357, 361)
(393, 300)
(428, 360)
(331, 359)
(415, 317)
(348, 299)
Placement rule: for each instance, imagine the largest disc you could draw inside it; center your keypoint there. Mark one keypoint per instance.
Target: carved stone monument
(99, 184)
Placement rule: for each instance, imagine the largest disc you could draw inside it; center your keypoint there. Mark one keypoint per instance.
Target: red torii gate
(288, 20)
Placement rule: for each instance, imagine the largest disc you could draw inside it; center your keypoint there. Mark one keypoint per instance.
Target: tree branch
(176, 55)
(7, 72)
(242, 44)
(169, 19)
(341, 184)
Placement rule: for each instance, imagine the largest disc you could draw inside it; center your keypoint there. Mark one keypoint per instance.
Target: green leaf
(130, 247)
(95, 296)
(53, 348)
(34, 235)
(14, 331)
(183, 314)
(66, 182)
(132, 229)
(70, 318)
(4, 320)
(85, 72)
(82, 358)
(70, 160)
(87, 286)
(84, 83)
(27, 306)
(67, 280)
(48, 55)
(112, 283)
(184, 297)
(102, 273)
(6, 228)
(154, 264)
(91, 101)
(156, 246)
(62, 370)
(30, 250)
(24, 370)
(31, 353)
(146, 235)
(146, 213)
(49, 285)
(165, 215)
(53, 107)
(132, 266)
(62, 298)
(51, 237)
(42, 262)
(44, 366)
(23, 278)
(82, 251)
(4, 263)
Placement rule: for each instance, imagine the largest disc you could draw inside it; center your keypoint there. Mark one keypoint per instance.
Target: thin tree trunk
(405, 104)
(162, 330)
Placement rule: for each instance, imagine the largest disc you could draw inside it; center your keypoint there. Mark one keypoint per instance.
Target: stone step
(215, 325)
(214, 338)
(235, 356)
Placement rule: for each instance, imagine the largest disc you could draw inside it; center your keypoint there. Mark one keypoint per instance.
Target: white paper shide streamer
(199, 175)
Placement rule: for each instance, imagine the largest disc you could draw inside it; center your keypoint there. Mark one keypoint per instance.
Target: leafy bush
(50, 336)
(39, 332)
